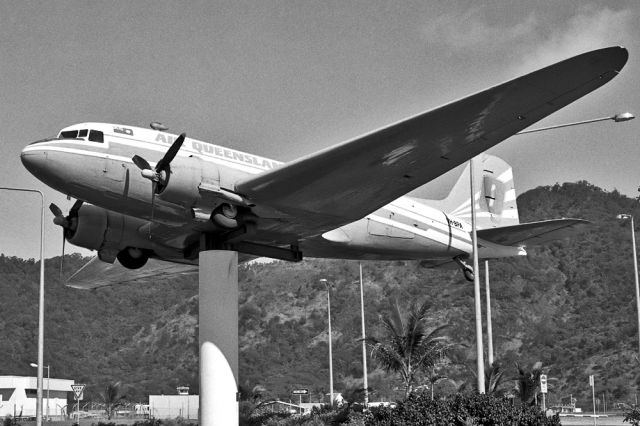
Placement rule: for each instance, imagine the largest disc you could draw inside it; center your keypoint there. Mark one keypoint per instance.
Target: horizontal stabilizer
(533, 233)
(97, 273)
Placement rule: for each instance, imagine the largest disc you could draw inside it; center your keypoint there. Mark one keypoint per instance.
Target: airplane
(150, 201)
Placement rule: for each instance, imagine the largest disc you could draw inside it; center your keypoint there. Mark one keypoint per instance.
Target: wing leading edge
(343, 183)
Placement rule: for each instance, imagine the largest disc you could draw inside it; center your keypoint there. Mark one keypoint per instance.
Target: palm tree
(528, 383)
(493, 378)
(408, 347)
(112, 398)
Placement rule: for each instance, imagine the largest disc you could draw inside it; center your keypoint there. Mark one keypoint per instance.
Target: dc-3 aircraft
(152, 200)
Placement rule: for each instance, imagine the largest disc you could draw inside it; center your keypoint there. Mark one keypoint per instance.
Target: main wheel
(133, 257)
(468, 274)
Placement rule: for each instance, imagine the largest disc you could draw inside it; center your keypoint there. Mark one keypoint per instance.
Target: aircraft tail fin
(495, 197)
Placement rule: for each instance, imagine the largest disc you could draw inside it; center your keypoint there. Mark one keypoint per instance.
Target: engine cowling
(184, 180)
(95, 228)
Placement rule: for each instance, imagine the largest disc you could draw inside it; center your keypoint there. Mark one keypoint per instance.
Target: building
(18, 395)
(173, 406)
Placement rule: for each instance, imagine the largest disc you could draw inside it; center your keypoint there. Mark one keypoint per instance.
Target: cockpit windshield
(84, 134)
(78, 134)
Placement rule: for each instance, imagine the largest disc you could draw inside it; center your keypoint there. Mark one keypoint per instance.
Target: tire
(133, 258)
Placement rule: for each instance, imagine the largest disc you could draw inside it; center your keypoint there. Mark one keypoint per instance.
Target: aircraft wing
(533, 233)
(97, 273)
(344, 183)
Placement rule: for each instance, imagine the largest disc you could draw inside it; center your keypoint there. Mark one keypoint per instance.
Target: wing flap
(343, 183)
(533, 233)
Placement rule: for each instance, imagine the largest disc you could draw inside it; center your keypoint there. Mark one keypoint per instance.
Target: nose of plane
(34, 160)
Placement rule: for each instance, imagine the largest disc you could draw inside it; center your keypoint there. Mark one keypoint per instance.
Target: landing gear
(133, 257)
(466, 269)
(226, 216)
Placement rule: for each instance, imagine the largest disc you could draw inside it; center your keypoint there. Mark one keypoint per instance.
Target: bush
(632, 416)
(460, 410)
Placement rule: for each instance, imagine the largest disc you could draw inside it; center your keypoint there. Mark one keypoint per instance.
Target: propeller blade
(59, 218)
(55, 210)
(62, 257)
(154, 186)
(76, 206)
(171, 153)
(141, 162)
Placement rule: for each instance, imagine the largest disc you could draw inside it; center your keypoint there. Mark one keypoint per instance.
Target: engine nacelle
(98, 229)
(184, 180)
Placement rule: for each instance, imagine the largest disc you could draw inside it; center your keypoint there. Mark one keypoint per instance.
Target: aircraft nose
(34, 160)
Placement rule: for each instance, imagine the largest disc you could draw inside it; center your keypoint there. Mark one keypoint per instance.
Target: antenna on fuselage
(155, 125)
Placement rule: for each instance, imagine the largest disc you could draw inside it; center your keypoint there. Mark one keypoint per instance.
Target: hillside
(570, 305)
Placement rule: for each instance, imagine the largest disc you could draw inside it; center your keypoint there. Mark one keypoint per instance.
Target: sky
(283, 79)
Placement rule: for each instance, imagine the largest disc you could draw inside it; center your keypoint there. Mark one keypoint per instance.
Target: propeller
(67, 223)
(160, 174)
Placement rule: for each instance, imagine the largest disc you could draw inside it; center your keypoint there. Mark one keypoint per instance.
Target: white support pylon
(218, 337)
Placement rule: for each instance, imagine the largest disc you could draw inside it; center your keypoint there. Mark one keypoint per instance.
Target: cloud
(471, 30)
(588, 29)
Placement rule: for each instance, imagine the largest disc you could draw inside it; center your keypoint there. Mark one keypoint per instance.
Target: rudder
(495, 197)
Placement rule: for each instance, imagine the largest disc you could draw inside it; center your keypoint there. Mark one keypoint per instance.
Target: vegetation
(569, 305)
(112, 399)
(462, 409)
(408, 349)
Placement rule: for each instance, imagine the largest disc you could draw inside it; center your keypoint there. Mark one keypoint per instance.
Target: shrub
(632, 416)
(461, 409)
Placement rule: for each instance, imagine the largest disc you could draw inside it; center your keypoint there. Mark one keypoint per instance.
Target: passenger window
(69, 134)
(96, 136)
(83, 133)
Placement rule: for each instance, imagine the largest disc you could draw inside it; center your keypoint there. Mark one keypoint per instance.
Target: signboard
(300, 391)
(543, 383)
(78, 392)
(591, 380)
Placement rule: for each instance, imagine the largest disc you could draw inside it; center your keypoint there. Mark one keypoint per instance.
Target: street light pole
(635, 269)
(323, 280)
(618, 118)
(34, 365)
(364, 344)
(476, 285)
(489, 329)
(40, 303)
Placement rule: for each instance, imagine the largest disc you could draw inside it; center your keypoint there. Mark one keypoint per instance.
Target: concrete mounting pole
(218, 337)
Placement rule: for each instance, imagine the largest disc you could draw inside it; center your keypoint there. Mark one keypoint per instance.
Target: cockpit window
(96, 136)
(83, 133)
(69, 134)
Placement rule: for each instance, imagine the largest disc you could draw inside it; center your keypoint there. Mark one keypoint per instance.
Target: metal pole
(330, 354)
(364, 344)
(618, 118)
(40, 304)
(635, 270)
(593, 394)
(48, 382)
(476, 285)
(489, 329)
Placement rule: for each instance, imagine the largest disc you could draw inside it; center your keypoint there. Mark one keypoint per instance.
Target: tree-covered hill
(570, 305)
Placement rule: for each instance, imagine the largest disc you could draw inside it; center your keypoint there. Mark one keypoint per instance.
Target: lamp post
(324, 281)
(489, 328)
(618, 118)
(34, 365)
(40, 303)
(364, 344)
(635, 268)
(476, 284)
